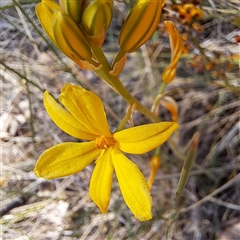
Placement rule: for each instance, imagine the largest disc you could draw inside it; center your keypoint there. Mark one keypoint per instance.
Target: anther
(104, 142)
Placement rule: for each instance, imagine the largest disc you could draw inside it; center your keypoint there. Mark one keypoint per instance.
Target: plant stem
(116, 84)
(162, 87)
(123, 122)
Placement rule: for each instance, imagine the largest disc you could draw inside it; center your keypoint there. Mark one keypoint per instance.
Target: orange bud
(197, 27)
(170, 104)
(155, 163)
(176, 46)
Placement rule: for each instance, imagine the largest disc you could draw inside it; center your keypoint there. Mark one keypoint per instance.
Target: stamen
(104, 142)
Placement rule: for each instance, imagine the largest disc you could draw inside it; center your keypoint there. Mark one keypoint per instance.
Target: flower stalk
(116, 84)
(187, 165)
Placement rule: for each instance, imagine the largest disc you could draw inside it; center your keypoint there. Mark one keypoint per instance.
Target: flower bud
(170, 104)
(155, 163)
(71, 40)
(96, 19)
(73, 8)
(44, 11)
(140, 24)
(138, 28)
(176, 43)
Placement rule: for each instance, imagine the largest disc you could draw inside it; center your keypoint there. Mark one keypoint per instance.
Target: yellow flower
(86, 119)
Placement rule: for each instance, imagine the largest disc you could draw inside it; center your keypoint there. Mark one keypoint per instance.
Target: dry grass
(61, 209)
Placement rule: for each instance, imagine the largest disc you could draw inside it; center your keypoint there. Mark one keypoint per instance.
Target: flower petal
(144, 138)
(133, 185)
(65, 159)
(101, 181)
(87, 107)
(65, 120)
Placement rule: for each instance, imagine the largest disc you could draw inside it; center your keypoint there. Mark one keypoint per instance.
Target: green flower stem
(125, 119)
(157, 151)
(155, 105)
(116, 84)
(158, 97)
(162, 87)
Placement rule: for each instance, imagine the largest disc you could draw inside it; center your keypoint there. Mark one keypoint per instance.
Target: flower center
(104, 142)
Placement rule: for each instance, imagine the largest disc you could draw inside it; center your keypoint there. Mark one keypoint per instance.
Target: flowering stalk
(167, 76)
(78, 46)
(78, 29)
(170, 72)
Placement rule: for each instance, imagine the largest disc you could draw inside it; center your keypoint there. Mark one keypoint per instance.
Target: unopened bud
(176, 47)
(73, 8)
(71, 40)
(155, 163)
(45, 11)
(170, 104)
(96, 19)
(138, 28)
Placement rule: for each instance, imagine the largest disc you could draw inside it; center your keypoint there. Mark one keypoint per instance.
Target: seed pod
(96, 19)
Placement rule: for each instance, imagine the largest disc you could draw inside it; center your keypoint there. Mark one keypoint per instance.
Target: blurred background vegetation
(206, 89)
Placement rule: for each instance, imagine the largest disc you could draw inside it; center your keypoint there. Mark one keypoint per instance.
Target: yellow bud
(96, 19)
(137, 28)
(169, 74)
(176, 43)
(71, 40)
(45, 11)
(73, 8)
(140, 24)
